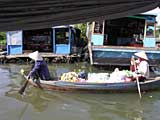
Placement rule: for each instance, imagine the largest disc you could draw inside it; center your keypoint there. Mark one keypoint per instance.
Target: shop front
(56, 40)
(115, 41)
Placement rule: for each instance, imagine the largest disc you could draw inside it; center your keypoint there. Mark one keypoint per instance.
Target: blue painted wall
(149, 42)
(14, 49)
(97, 39)
(61, 48)
(122, 53)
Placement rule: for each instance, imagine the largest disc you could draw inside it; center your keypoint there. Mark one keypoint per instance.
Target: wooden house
(113, 42)
(58, 40)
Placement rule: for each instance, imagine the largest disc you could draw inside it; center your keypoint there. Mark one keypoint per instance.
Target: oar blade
(22, 89)
(22, 71)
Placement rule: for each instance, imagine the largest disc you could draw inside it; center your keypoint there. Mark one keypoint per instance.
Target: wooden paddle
(137, 79)
(90, 51)
(21, 91)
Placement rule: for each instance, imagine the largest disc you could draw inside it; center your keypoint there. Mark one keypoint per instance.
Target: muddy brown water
(49, 105)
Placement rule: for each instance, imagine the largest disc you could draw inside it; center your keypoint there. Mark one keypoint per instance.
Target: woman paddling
(140, 66)
(40, 68)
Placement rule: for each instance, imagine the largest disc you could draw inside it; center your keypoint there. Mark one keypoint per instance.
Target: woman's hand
(132, 61)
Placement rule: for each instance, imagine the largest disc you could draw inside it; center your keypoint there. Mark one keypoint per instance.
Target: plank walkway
(51, 56)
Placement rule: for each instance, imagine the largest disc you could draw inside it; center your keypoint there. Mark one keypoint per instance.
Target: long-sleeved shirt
(143, 67)
(41, 68)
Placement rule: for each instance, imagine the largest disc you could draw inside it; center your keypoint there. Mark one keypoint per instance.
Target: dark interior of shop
(40, 40)
(124, 32)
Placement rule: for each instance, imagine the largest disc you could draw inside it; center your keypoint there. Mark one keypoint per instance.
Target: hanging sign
(14, 38)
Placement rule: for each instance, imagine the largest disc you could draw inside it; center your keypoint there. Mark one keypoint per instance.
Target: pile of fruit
(129, 73)
(70, 77)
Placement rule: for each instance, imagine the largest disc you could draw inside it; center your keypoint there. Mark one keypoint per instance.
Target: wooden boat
(149, 85)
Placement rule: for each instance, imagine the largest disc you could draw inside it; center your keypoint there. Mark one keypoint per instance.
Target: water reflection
(93, 106)
(34, 97)
(110, 106)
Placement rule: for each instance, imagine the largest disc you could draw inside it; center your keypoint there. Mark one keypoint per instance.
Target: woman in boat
(140, 66)
(40, 68)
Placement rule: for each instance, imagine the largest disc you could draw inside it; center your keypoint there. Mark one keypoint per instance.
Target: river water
(46, 105)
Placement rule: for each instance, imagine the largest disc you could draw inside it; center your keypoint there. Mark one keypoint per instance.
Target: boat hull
(111, 55)
(149, 85)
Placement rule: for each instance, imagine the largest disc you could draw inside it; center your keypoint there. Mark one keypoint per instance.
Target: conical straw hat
(141, 54)
(35, 56)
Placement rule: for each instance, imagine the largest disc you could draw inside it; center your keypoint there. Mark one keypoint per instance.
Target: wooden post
(90, 51)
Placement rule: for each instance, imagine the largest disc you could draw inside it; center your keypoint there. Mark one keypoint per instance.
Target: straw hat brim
(142, 55)
(35, 56)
